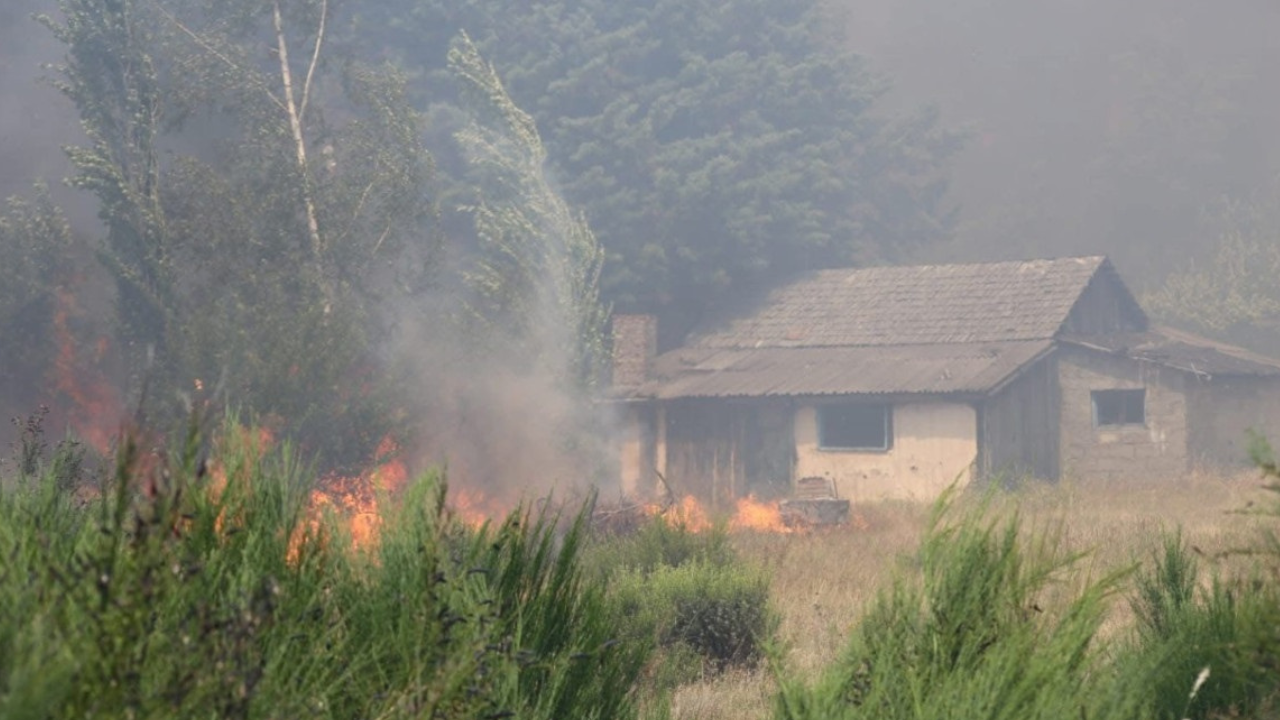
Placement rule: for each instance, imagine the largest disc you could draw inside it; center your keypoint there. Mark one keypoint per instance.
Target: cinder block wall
(1157, 449)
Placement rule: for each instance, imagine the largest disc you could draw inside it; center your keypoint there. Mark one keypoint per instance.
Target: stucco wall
(933, 445)
(1224, 410)
(1158, 448)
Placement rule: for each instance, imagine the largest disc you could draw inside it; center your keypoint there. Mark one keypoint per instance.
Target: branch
(315, 59)
(299, 140)
(209, 48)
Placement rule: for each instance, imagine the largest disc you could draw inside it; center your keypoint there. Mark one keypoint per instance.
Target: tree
(292, 205)
(1234, 296)
(713, 145)
(35, 263)
(536, 277)
(112, 79)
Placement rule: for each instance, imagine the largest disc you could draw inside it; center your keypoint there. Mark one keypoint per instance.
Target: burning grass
(234, 588)
(189, 588)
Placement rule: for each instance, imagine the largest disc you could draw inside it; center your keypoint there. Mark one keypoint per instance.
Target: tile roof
(931, 304)
(931, 369)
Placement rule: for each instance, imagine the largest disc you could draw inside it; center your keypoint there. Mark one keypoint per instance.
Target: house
(894, 382)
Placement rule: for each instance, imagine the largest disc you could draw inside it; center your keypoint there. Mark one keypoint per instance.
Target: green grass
(993, 620)
(197, 583)
(163, 599)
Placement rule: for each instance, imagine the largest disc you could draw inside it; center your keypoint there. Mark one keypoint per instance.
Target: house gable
(1105, 306)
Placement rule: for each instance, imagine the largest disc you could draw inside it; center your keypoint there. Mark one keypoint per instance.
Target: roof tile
(929, 304)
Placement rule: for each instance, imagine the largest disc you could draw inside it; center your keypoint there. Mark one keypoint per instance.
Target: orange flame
(95, 409)
(688, 513)
(356, 497)
(758, 516)
(471, 507)
(750, 514)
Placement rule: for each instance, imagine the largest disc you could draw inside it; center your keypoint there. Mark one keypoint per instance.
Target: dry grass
(823, 580)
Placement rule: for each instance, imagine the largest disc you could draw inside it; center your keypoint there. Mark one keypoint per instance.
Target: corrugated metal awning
(1182, 351)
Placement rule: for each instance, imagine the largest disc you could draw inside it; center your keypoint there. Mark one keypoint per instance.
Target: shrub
(165, 598)
(660, 543)
(716, 613)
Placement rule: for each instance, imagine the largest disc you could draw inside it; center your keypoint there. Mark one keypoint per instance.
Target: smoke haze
(1096, 127)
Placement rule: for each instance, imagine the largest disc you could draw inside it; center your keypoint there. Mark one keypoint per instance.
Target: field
(822, 581)
(180, 583)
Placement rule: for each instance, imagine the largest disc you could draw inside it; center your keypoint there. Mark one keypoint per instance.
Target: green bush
(164, 598)
(660, 543)
(718, 612)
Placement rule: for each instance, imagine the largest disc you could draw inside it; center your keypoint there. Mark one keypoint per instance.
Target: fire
(95, 409)
(356, 497)
(759, 516)
(689, 513)
(750, 514)
(471, 507)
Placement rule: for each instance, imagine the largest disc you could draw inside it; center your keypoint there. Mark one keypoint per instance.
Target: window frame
(1125, 396)
(886, 411)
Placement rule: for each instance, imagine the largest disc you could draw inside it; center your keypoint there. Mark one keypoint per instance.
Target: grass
(823, 583)
(198, 584)
(171, 594)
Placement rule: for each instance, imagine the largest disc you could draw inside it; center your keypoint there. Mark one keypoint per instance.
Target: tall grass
(167, 596)
(691, 596)
(1228, 629)
(970, 637)
(995, 621)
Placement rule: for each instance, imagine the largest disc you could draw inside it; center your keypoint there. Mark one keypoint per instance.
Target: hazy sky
(1099, 127)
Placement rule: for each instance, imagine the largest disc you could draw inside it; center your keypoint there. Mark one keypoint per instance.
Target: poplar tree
(264, 203)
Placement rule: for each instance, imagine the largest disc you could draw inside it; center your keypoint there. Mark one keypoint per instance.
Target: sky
(1097, 127)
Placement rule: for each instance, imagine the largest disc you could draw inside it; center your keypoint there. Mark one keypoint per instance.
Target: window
(1119, 407)
(855, 427)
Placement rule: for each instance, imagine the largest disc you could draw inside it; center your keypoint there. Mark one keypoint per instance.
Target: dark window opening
(855, 427)
(1119, 407)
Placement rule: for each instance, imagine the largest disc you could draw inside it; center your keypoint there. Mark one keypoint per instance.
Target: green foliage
(713, 145)
(661, 543)
(166, 597)
(111, 76)
(36, 247)
(689, 594)
(970, 639)
(718, 614)
(987, 631)
(1233, 295)
(538, 274)
(1228, 628)
(265, 254)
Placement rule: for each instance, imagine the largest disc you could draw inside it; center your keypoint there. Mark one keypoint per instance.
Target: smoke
(1097, 127)
(36, 121)
(510, 379)
(500, 423)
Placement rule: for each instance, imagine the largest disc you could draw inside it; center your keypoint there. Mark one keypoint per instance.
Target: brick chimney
(635, 343)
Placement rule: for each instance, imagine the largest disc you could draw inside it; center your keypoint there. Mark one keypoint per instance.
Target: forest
(300, 210)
